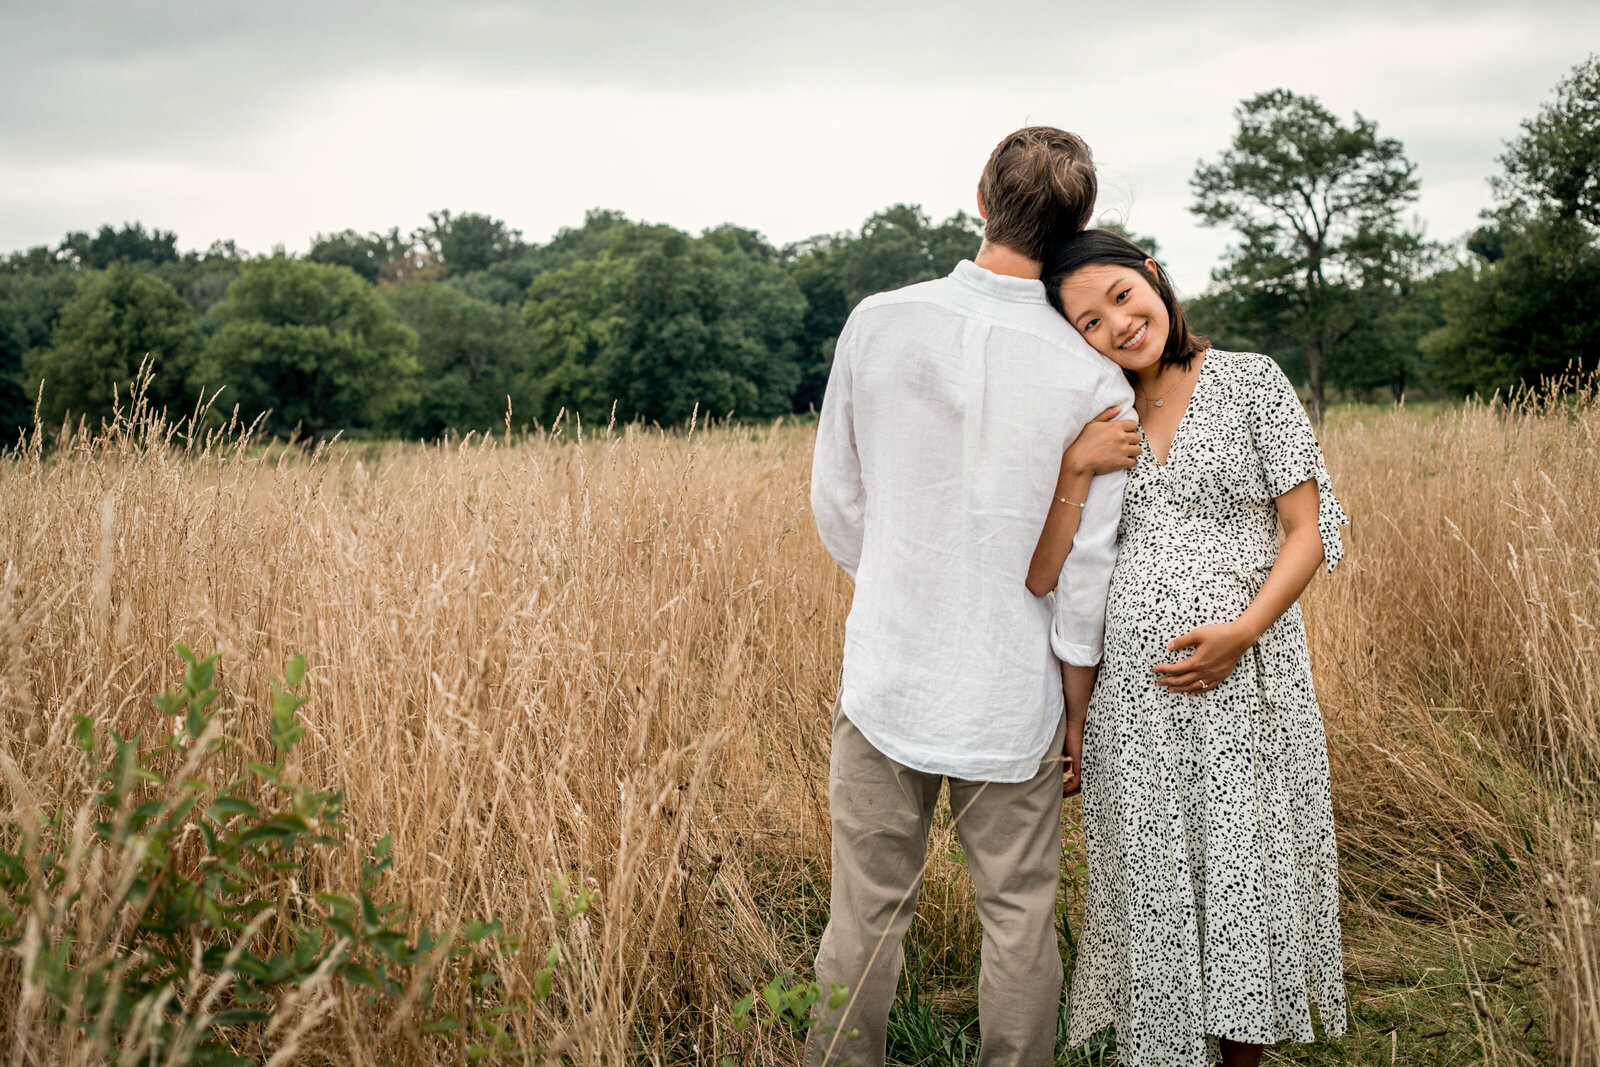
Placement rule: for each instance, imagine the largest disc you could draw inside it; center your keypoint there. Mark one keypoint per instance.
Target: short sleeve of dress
(1290, 453)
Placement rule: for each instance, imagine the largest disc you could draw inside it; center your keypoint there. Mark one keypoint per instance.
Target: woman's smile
(1132, 344)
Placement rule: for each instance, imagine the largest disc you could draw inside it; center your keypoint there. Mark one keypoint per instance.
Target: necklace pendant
(1161, 402)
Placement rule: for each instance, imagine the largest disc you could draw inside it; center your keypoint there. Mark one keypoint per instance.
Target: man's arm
(838, 498)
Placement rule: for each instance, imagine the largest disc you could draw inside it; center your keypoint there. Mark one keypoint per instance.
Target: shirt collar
(999, 286)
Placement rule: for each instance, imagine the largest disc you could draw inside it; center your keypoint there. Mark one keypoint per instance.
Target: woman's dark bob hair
(1092, 248)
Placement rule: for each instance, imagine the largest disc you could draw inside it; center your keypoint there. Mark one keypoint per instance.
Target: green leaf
(543, 980)
(360, 974)
(446, 1025)
(83, 733)
(294, 672)
(223, 807)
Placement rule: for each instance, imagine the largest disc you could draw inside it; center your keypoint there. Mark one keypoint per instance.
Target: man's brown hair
(1038, 189)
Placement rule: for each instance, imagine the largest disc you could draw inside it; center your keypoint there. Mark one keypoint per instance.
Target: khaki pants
(1011, 834)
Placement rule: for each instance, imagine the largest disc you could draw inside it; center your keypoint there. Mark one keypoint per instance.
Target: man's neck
(998, 259)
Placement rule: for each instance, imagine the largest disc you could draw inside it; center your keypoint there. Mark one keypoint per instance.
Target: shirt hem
(999, 771)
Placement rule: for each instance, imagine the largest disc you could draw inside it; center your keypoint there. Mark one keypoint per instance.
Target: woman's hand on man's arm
(1101, 447)
(1107, 444)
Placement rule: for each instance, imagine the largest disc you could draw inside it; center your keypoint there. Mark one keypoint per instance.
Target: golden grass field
(611, 657)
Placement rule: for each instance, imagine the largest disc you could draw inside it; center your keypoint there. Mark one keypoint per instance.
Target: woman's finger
(1185, 640)
(1108, 414)
(1186, 665)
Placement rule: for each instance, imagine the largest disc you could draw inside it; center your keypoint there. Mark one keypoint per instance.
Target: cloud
(270, 122)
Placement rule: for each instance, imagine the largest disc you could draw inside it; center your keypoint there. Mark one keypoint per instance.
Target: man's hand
(1072, 759)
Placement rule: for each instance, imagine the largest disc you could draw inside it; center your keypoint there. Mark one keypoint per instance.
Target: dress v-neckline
(1172, 445)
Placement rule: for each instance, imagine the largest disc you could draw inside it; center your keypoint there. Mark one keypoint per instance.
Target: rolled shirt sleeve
(838, 498)
(1077, 632)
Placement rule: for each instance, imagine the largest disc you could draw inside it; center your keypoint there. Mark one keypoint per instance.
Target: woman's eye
(1123, 295)
(1091, 324)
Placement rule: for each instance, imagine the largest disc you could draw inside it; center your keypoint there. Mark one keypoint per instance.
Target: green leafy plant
(787, 1003)
(194, 943)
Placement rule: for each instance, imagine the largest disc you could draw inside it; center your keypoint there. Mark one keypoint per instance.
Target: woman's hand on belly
(1216, 651)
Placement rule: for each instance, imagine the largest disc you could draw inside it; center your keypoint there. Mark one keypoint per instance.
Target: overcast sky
(269, 122)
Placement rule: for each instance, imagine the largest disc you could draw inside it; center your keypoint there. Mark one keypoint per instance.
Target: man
(947, 412)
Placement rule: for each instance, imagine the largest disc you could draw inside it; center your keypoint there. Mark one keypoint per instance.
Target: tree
(1555, 164)
(660, 323)
(1526, 314)
(114, 321)
(30, 305)
(470, 242)
(468, 350)
(131, 244)
(374, 256)
(1527, 304)
(313, 345)
(573, 316)
(1317, 207)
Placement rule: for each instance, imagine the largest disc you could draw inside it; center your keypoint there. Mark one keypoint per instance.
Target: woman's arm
(1217, 648)
(1103, 446)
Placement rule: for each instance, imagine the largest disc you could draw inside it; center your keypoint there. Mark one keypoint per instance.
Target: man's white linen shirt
(947, 411)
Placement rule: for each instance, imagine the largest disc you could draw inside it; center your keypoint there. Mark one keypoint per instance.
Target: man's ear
(982, 214)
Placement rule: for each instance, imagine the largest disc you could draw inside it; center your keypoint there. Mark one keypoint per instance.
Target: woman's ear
(1152, 266)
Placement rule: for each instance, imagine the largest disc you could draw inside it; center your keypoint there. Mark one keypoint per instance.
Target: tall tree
(1555, 164)
(1316, 205)
(114, 321)
(313, 345)
(1526, 306)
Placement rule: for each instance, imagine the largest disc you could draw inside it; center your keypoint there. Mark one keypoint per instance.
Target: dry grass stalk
(612, 656)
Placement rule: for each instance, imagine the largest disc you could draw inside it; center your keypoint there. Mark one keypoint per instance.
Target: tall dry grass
(611, 656)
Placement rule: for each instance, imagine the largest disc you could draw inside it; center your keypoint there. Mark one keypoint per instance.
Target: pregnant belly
(1153, 601)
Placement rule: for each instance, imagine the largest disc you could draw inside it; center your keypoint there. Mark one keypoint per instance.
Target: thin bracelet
(1064, 500)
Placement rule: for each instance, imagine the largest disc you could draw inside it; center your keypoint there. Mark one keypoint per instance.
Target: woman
(1212, 921)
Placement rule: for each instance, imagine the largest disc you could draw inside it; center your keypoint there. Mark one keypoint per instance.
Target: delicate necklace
(1161, 400)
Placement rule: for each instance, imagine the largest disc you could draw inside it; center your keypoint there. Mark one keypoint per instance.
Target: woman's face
(1118, 312)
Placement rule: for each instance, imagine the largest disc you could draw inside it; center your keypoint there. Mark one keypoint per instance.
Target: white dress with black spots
(1213, 881)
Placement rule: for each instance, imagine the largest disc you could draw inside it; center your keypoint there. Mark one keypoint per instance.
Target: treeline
(445, 328)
